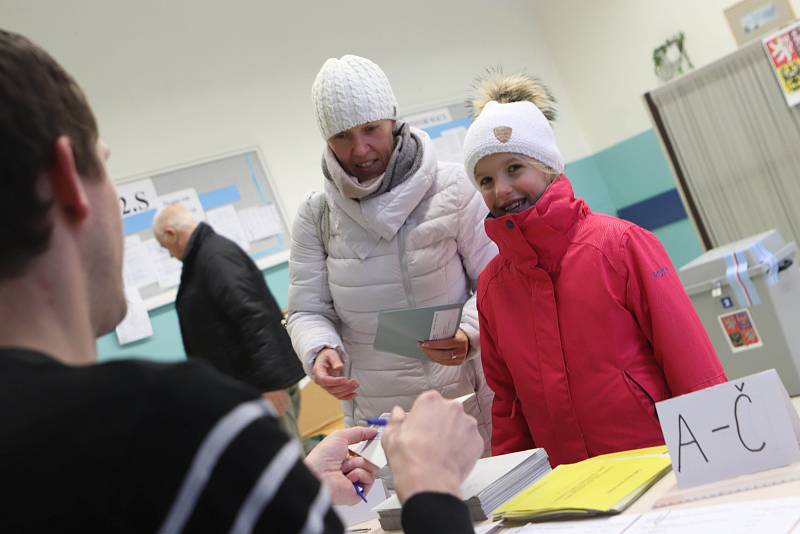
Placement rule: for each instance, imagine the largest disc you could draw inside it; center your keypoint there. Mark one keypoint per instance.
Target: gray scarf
(404, 162)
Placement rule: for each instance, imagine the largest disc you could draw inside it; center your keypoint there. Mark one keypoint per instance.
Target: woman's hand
(451, 351)
(327, 372)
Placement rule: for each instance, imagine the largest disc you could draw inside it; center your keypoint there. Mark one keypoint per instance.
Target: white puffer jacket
(420, 244)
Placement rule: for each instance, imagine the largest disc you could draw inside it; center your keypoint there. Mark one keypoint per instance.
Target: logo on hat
(502, 133)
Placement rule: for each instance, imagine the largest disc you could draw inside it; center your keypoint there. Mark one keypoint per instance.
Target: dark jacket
(228, 316)
(114, 447)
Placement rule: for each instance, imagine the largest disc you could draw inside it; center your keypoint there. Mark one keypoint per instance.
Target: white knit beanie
(517, 126)
(351, 91)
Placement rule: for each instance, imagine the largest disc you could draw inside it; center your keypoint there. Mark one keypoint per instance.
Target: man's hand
(327, 372)
(331, 462)
(451, 351)
(419, 459)
(279, 399)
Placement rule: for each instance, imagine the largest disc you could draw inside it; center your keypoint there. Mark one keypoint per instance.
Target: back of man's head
(39, 101)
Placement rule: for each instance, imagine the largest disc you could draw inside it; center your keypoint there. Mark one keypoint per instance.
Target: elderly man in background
(227, 314)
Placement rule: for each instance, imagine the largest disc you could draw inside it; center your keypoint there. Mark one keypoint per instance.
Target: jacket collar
(193, 245)
(541, 234)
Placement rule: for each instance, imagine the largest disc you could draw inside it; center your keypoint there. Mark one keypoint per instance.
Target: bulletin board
(232, 193)
(446, 125)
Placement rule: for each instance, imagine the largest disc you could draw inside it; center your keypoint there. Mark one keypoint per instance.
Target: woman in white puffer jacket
(393, 228)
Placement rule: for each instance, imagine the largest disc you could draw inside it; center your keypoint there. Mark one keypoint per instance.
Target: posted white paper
(187, 198)
(136, 325)
(225, 221)
(429, 118)
(260, 222)
(167, 267)
(138, 269)
(137, 197)
(450, 145)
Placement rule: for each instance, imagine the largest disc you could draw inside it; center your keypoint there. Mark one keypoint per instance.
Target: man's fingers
(358, 462)
(355, 434)
(361, 475)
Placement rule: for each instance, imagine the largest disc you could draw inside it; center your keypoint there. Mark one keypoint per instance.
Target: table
(668, 484)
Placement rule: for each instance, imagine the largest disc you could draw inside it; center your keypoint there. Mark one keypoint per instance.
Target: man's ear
(170, 234)
(68, 191)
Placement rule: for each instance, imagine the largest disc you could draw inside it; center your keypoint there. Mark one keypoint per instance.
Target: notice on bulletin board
(783, 49)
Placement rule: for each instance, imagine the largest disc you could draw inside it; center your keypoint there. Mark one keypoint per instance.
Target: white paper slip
(225, 222)
(189, 199)
(260, 222)
(400, 331)
(362, 511)
(371, 449)
(136, 324)
(749, 517)
(610, 525)
(138, 269)
(445, 323)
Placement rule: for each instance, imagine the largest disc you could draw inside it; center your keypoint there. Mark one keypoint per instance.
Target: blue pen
(360, 490)
(377, 422)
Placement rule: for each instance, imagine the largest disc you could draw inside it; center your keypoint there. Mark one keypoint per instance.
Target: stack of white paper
(492, 482)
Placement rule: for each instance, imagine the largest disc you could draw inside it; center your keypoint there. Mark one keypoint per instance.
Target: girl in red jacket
(584, 322)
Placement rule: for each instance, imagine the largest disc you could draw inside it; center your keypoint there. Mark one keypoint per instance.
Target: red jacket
(584, 327)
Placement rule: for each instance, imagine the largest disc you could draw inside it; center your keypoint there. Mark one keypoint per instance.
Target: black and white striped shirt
(133, 446)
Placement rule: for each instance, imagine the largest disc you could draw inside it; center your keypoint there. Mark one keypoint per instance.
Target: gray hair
(175, 216)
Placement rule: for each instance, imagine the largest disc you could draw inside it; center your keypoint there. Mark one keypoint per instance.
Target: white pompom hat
(520, 125)
(351, 91)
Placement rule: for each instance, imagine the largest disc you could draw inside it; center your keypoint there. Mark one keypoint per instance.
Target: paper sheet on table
(775, 515)
(260, 222)
(167, 267)
(225, 221)
(136, 324)
(746, 517)
(138, 269)
(400, 331)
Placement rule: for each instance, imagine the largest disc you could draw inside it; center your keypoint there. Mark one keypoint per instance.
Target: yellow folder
(601, 485)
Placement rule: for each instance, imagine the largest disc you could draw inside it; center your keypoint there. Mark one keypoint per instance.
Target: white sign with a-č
(743, 426)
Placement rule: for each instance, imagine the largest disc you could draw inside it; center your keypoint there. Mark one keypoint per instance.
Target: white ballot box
(747, 294)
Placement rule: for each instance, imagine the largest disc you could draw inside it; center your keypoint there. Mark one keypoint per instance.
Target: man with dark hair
(132, 446)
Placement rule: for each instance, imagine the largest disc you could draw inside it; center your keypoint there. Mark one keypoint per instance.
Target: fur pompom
(506, 88)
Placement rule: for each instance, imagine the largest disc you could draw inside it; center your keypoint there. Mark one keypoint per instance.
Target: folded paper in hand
(372, 450)
(400, 331)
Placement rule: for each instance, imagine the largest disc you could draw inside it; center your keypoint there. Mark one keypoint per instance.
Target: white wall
(173, 82)
(603, 51)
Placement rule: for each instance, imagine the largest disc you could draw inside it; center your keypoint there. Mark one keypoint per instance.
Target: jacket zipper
(401, 251)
